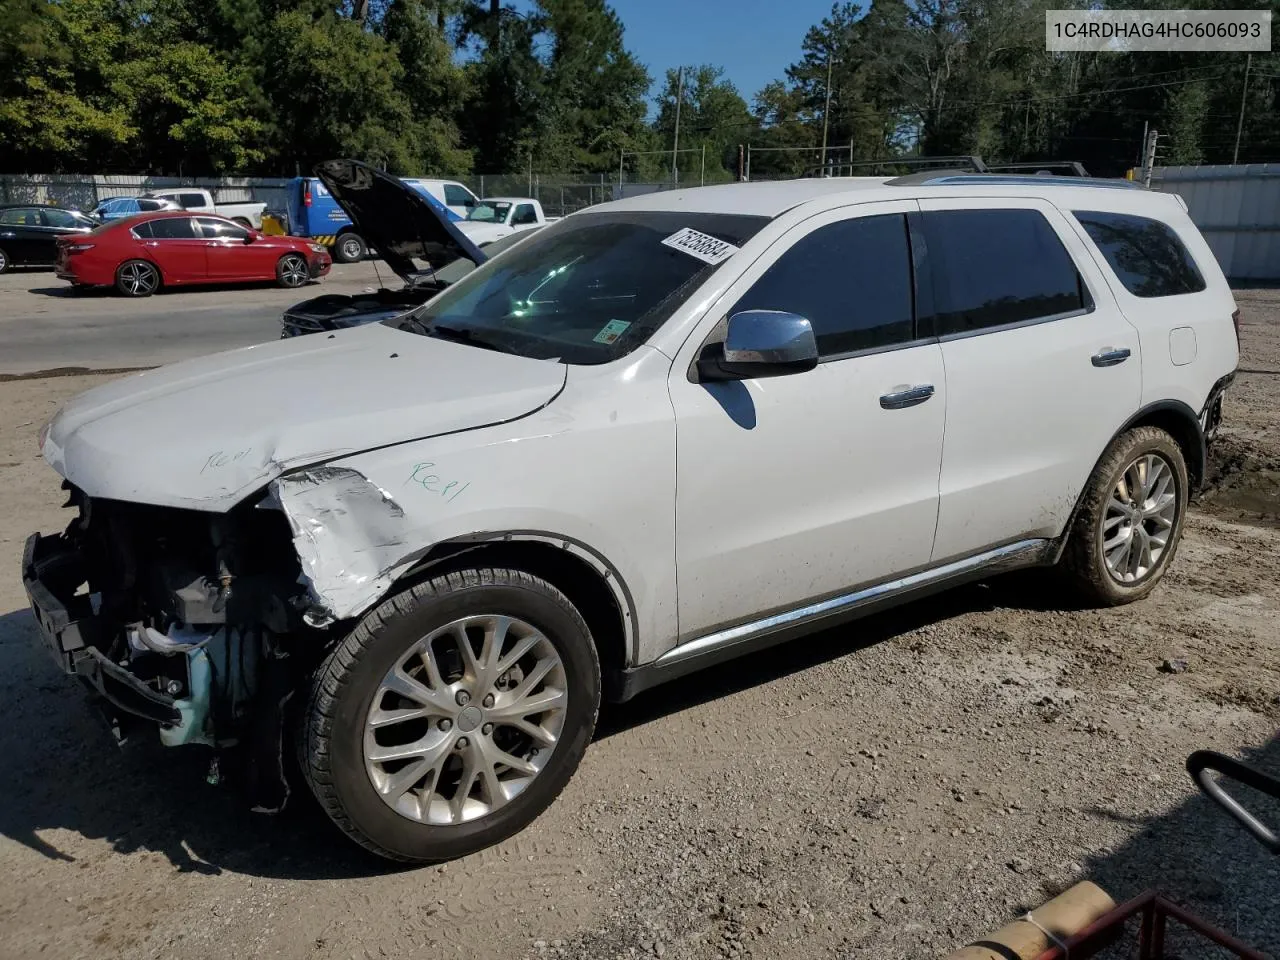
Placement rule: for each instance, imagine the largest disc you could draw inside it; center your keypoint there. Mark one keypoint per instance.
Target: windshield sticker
(611, 331)
(701, 245)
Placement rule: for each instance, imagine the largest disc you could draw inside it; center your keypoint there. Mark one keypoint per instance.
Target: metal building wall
(1237, 208)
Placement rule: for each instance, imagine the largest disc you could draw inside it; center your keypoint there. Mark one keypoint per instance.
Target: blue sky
(754, 40)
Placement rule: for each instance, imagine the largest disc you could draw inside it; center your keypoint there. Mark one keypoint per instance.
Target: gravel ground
(893, 788)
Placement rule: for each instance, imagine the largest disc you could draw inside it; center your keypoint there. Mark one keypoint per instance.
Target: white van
(655, 435)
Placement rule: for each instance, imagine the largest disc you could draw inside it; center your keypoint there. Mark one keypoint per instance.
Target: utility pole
(675, 144)
(1149, 155)
(741, 169)
(826, 111)
(1235, 157)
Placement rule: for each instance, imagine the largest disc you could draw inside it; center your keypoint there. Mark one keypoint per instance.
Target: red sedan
(138, 255)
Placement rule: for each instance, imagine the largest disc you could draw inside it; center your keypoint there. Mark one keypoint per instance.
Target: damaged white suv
(659, 433)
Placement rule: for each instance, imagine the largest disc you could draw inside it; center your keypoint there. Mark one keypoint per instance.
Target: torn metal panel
(352, 538)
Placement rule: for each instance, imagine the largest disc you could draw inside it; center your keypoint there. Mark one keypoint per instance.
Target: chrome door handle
(1109, 357)
(901, 399)
(8, 234)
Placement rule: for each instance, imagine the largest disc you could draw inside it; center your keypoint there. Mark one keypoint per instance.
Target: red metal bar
(1220, 937)
(1155, 911)
(1101, 932)
(1147, 934)
(1157, 935)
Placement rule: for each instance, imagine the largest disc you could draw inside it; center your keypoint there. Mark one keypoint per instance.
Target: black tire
(1083, 559)
(349, 248)
(331, 750)
(5, 262)
(292, 271)
(137, 278)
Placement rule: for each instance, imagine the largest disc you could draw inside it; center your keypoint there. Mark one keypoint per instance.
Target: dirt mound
(1243, 481)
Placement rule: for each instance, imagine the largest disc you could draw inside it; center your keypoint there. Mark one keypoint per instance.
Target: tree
(713, 116)
(593, 94)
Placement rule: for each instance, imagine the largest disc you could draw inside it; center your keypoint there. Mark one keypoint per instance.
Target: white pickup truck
(499, 217)
(201, 201)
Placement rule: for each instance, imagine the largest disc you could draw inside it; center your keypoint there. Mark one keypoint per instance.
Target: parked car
(496, 217)
(196, 200)
(28, 233)
(657, 434)
(117, 208)
(313, 213)
(141, 254)
(426, 250)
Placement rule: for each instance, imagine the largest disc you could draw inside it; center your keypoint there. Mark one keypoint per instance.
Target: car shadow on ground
(68, 774)
(68, 292)
(64, 772)
(1031, 590)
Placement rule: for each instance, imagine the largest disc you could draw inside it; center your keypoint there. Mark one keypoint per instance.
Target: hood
(479, 233)
(204, 434)
(401, 223)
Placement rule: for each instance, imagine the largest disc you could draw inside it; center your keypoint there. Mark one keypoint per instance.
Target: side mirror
(250, 236)
(761, 343)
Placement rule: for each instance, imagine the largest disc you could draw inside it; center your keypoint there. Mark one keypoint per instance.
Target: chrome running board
(744, 638)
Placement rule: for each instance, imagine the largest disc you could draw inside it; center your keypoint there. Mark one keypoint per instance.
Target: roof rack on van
(1069, 168)
(933, 165)
(1009, 179)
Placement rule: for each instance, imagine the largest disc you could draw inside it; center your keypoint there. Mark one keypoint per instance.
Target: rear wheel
(243, 221)
(4, 260)
(350, 248)
(292, 270)
(452, 715)
(1130, 519)
(137, 278)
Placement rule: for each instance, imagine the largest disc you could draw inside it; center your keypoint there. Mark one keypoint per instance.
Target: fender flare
(603, 568)
(1196, 462)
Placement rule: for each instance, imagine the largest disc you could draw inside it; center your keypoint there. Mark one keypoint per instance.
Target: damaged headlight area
(183, 619)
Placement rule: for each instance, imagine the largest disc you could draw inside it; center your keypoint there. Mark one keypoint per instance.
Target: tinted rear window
(995, 267)
(1147, 256)
(173, 228)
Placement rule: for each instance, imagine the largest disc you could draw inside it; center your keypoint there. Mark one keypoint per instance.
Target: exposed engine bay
(180, 618)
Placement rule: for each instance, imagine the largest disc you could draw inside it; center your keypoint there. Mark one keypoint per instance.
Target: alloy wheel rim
(294, 271)
(350, 249)
(1138, 523)
(3, 261)
(465, 720)
(138, 277)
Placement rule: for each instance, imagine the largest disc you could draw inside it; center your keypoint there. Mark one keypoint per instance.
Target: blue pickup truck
(314, 214)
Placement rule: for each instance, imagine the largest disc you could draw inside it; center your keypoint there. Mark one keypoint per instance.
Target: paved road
(44, 325)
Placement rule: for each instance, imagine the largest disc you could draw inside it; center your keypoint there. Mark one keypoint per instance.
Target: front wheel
(137, 278)
(292, 270)
(1130, 519)
(4, 261)
(453, 714)
(350, 248)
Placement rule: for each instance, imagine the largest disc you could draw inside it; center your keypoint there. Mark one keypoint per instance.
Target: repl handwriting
(221, 458)
(424, 476)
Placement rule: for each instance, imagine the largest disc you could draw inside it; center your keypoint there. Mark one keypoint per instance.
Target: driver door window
(851, 279)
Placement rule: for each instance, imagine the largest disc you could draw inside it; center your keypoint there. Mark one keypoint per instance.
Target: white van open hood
(203, 434)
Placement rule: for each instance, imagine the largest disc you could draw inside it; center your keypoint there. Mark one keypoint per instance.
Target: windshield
(487, 211)
(589, 289)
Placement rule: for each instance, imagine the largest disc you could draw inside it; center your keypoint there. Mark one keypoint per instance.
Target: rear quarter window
(1147, 256)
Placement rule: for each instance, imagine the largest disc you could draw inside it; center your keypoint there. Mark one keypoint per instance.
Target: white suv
(659, 433)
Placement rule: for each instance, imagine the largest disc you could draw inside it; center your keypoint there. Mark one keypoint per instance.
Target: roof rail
(958, 164)
(1010, 179)
(1070, 167)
